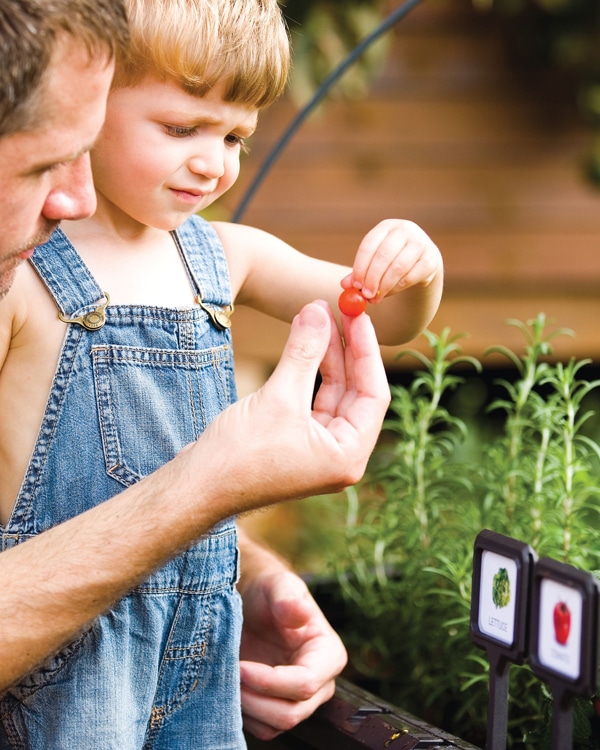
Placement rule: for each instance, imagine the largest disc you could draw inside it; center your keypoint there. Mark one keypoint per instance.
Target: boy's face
(45, 173)
(164, 154)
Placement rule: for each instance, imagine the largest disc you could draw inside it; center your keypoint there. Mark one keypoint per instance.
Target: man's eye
(178, 131)
(48, 169)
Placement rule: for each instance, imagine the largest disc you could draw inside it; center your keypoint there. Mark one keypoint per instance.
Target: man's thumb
(306, 347)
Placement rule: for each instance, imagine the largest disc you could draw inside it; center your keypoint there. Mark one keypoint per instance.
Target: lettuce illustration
(501, 589)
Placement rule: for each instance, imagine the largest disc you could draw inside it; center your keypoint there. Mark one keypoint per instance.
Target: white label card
(498, 596)
(560, 626)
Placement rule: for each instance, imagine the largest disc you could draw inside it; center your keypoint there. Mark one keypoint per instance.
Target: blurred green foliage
(323, 33)
(562, 39)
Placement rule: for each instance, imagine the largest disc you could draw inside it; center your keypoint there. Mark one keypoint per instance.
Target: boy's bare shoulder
(13, 312)
(26, 311)
(26, 293)
(229, 231)
(248, 248)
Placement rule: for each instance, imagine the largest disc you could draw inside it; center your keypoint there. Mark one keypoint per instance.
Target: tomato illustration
(352, 303)
(562, 623)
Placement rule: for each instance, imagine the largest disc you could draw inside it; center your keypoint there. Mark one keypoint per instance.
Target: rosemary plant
(405, 570)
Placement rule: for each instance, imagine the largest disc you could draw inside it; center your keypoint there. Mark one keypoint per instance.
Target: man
(56, 62)
(55, 73)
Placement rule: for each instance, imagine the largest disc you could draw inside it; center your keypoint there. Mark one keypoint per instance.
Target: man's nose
(73, 195)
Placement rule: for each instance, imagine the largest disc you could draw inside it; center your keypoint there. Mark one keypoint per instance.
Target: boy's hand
(395, 255)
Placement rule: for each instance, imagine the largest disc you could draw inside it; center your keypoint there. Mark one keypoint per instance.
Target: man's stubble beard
(7, 276)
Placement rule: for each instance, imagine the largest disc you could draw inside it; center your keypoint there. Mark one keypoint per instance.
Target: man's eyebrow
(64, 159)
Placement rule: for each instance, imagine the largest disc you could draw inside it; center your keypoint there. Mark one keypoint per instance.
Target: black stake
(498, 700)
(562, 719)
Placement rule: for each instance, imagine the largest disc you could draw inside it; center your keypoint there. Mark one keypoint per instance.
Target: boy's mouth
(186, 195)
(192, 192)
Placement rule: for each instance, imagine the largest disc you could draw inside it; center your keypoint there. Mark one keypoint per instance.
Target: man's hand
(290, 654)
(272, 446)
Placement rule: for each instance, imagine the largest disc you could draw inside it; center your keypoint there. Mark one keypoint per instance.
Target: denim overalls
(159, 671)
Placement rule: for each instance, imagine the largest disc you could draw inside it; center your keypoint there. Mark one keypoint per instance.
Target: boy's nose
(210, 164)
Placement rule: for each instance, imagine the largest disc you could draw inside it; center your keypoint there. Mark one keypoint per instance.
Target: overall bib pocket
(140, 429)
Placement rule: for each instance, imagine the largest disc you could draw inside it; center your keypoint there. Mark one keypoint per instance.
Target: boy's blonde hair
(198, 43)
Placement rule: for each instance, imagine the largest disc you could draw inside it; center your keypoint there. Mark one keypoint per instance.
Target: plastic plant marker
(564, 639)
(502, 569)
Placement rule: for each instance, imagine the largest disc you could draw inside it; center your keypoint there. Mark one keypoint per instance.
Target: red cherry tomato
(352, 303)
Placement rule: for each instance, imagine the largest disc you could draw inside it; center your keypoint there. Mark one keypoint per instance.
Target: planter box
(357, 720)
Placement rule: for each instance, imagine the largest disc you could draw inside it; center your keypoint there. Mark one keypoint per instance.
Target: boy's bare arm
(266, 448)
(397, 265)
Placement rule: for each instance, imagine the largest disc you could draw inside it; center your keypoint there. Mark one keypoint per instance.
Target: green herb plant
(435, 480)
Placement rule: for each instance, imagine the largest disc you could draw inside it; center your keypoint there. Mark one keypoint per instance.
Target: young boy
(126, 330)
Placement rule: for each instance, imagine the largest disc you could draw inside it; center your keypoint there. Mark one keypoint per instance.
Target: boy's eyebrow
(205, 119)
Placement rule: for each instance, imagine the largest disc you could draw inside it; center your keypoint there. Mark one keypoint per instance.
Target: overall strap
(69, 281)
(204, 256)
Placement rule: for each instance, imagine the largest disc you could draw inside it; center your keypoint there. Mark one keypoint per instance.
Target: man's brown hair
(29, 30)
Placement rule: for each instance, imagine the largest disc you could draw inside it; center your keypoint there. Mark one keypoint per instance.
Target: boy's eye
(178, 131)
(234, 140)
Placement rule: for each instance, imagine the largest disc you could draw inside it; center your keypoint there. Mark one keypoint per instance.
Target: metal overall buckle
(92, 320)
(220, 316)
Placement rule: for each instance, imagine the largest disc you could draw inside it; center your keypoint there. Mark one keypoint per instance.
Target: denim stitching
(21, 516)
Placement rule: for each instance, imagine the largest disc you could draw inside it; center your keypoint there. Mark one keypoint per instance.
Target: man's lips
(40, 239)
(24, 254)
